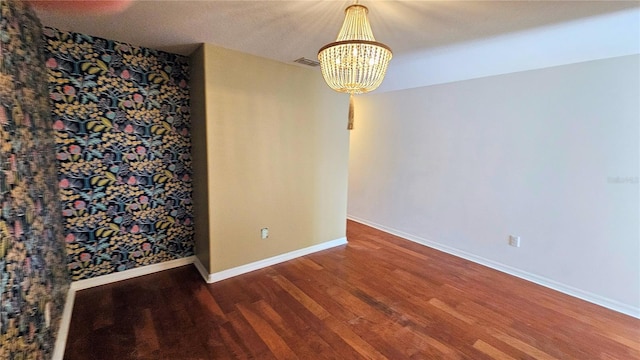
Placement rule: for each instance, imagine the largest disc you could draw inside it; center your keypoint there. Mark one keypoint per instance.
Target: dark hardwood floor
(379, 297)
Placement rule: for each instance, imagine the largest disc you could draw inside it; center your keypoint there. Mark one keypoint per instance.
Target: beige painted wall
(277, 156)
(199, 156)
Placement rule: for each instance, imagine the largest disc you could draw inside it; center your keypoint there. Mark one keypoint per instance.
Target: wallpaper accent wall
(122, 124)
(33, 275)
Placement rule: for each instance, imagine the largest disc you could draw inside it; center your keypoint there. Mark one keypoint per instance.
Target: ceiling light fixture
(355, 63)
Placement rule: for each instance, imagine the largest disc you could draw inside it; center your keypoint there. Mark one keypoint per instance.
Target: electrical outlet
(514, 240)
(264, 233)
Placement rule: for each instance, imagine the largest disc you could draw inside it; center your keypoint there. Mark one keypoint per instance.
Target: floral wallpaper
(122, 126)
(33, 275)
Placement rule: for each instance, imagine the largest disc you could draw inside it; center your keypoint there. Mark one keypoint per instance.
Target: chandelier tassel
(351, 113)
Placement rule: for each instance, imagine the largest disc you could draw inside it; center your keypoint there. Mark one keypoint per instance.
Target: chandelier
(355, 63)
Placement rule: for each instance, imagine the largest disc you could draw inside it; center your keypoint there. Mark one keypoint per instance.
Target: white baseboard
(130, 274)
(243, 269)
(65, 321)
(540, 280)
(63, 330)
(201, 269)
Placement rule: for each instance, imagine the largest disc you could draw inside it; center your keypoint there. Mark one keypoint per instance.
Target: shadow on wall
(33, 276)
(122, 123)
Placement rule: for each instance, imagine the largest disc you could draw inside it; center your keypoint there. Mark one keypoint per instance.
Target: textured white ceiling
(287, 30)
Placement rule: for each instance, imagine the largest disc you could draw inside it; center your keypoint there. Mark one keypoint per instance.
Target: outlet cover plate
(514, 240)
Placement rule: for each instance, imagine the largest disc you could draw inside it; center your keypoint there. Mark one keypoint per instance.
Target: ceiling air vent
(308, 62)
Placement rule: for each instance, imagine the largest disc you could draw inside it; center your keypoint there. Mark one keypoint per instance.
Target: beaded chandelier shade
(355, 63)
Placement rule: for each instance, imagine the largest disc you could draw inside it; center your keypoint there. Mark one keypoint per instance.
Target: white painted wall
(551, 155)
(598, 37)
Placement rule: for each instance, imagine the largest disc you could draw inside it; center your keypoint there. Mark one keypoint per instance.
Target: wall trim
(540, 280)
(201, 269)
(260, 264)
(63, 330)
(65, 321)
(131, 273)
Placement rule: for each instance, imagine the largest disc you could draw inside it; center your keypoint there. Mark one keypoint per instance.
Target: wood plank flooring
(379, 297)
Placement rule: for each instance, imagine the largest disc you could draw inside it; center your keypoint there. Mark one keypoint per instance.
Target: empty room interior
(315, 179)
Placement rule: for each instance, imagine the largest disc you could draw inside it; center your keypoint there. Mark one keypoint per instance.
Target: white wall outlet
(514, 240)
(264, 233)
